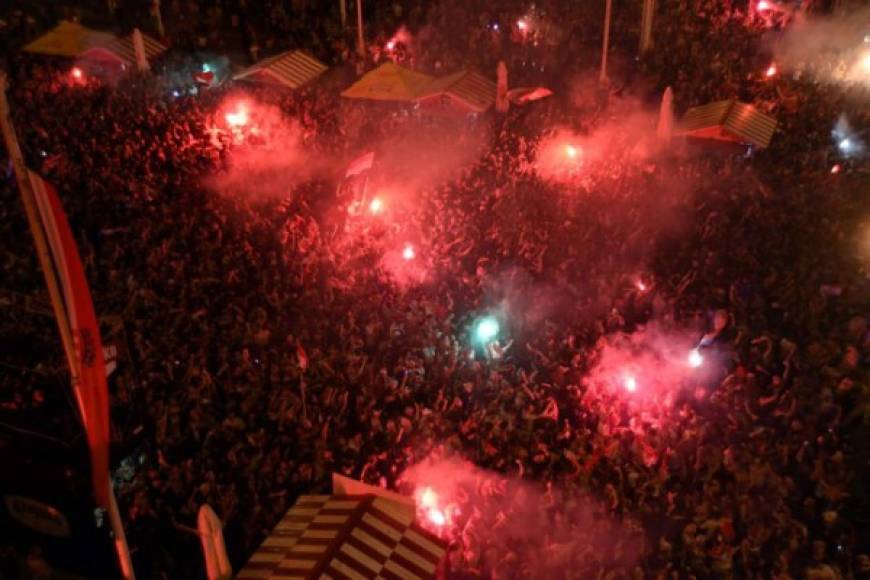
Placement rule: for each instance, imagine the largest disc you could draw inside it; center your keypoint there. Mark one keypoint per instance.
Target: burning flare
(239, 118)
(695, 359)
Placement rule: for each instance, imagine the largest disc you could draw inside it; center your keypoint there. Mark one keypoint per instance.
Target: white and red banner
(360, 164)
(204, 78)
(523, 95)
(110, 357)
(92, 391)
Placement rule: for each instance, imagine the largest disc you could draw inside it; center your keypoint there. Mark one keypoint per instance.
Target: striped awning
(472, 89)
(73, 40)
(122, 49)
(290, 69)
(729, 120)
(346, 536)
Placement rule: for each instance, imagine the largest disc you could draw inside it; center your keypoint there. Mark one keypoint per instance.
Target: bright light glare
(836, 169)
(487, 329)
(641, 286)
(376, 206)
(865, 62)
(237, 119)
(391, 45)
(436, 516)
(522, 24)
(771, 70)
(408, 253)
(695, 358)
(845, 145)
(429, 498)
(630, 384)
(77, 73)
(571, 151)
(763, 5)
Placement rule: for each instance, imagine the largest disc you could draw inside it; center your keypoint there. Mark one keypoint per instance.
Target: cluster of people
(268, 345)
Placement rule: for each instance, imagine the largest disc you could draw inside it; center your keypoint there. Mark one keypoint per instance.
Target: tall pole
(158, 19)
(606, 42)
(342, 6)
(360, 39)
(646, 25)
(42, 252)
(22, 176)
(120, 538)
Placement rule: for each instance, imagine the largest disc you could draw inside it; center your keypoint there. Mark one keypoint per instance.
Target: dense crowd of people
(268, 344)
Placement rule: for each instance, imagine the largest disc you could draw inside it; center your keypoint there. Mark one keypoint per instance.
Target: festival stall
(728, 121)
(389, 82)
(465, 90)
(104, 49)
(122, 51)
(291, 69)
(67, 39)
(349, 534)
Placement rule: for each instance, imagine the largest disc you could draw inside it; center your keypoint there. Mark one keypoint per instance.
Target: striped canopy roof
(291, 69)
(729, 120)
(346, 536)
(72, 40)
(121, 49)
(472, 89)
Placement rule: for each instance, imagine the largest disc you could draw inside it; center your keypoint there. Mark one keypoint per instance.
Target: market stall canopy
(469, 89)
(389, 82)
(72, 40)
(122, 50)
(291, 69)
(731, 121)
(69, 39)
(347, 536)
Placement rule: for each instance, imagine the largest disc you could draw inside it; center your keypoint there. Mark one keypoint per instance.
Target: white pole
(42, 253)
(606, 42)
(139, 49)
(360, 39)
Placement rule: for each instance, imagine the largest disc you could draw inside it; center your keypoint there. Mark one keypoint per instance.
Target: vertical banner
(91, 392)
